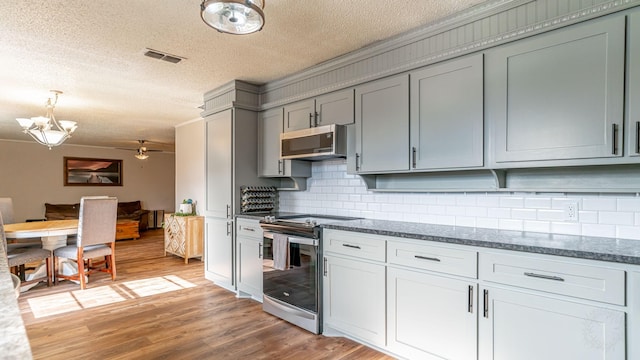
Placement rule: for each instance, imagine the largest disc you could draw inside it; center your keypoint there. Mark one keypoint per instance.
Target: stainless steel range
(293, 292)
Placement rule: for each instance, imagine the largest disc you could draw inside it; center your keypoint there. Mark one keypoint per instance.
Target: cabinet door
(633, 79)
(354, 298)
(249, 274)
(516, 325)
(431, 316)
(219, 164)
(219, 252)
(382, 125)
(559, 95)
(299, 115)
(270, 127)
(335, 108)
(447, 115)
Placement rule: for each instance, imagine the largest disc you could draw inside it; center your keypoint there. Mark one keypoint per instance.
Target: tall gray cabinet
(558, 95)
(633, 80)
(231, 125)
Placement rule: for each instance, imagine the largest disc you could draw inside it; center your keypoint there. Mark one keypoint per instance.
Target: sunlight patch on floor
(104, 295)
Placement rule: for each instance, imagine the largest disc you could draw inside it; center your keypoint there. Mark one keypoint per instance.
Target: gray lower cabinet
(558, 95)
(447, 115)
(382, 125)
(269, 162)
(517, 325)
(331, 108)
(633, 81)
(219, 253)
(249, 258)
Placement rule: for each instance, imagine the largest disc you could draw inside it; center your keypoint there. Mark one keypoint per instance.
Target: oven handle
(295, 239)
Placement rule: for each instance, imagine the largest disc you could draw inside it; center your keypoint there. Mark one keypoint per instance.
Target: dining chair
(96, 239)
(6, 209)
(17, 258)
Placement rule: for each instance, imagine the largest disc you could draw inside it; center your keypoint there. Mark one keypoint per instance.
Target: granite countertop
(585, 247)
(14, 343)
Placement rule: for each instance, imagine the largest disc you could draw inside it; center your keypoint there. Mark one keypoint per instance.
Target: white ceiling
(93, 52)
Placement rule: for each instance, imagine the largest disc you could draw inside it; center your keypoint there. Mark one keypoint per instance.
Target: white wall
(33, 175)
(332, 191)
(190, 163)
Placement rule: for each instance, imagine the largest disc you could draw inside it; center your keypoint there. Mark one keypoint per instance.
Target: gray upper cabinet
(633, 81)
(558, 95)
(269, 162)
(447, 115)
(331, 108)
(382, 125)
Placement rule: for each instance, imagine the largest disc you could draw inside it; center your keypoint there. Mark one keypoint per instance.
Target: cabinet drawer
(559, 277)
(365, 246)
(249, 228)
(434, 258)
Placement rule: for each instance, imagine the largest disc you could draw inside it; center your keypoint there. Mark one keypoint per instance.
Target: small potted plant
(187, 208)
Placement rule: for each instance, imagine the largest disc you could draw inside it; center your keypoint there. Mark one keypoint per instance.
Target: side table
(184, 236)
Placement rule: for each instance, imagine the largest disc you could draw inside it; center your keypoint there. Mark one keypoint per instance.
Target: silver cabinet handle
(310, 117)
(228, 211)
(316, 119)
(470, 308)
(351, 246)
(248, 229)
(637, 137)
(426, 258)
(413, 156)
(486, 303)
(542, 276)
(259, 251)
(324, 266)
(357, 161)
(228, 228)
(280, 164)
(614, 146)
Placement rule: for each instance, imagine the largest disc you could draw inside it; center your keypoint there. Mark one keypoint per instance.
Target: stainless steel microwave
(316, 143)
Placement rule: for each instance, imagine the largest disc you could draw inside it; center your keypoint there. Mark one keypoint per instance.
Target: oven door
(298, 286)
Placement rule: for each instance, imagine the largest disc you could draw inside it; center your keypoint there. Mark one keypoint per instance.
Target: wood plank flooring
(160, 308)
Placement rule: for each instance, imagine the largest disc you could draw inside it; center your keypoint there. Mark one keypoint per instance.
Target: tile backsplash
(332, 191)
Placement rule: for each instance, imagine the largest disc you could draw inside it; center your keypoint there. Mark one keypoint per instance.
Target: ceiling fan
(141, 151)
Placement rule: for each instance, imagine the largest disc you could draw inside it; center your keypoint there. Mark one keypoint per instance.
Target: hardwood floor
(160, 308)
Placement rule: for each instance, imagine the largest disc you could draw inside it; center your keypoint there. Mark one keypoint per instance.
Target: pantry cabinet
(559, 95)
(382, 125)
(447, 115)
(327, 109)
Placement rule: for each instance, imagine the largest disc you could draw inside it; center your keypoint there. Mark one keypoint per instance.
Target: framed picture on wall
(92, 172)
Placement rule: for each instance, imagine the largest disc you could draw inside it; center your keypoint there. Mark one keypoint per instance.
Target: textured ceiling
(93, 52)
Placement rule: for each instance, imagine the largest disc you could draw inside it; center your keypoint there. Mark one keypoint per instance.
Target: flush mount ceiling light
(233, 16)
(46, 130)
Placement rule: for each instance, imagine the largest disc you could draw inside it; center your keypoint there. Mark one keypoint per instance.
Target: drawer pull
(426, 258)
(351, 246)
(542, 276)
(249, 229)
(470, 309)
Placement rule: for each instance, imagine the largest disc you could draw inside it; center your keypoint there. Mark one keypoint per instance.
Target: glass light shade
(68, 125)
(53, 137)
(233, 16)
(41, 122)
(142, 156)
(25, 123)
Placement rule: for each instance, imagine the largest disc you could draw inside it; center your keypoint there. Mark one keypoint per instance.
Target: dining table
(53, 235)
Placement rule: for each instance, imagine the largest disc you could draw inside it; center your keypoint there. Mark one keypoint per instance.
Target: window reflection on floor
(104, 295)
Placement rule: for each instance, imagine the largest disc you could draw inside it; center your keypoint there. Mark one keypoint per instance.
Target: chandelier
(46, 130)
(233, 16)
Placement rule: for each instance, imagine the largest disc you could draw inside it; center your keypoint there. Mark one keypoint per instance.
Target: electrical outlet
(571, 211)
